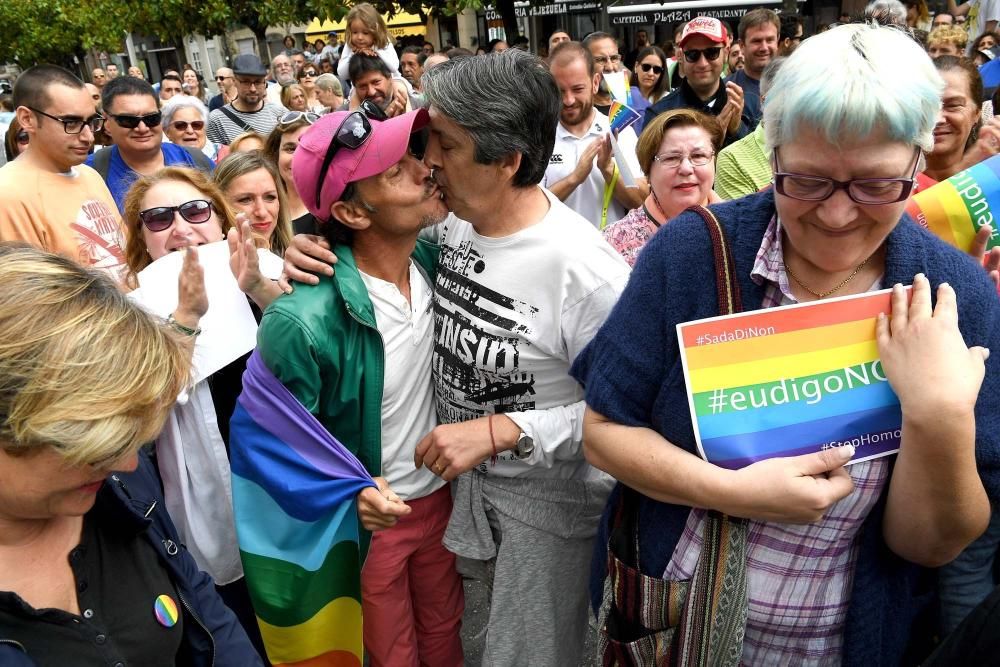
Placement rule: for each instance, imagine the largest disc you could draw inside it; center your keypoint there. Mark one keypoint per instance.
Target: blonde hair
(286, 95)
(372, 20)
(82, 369)
(234, 145)
(948, 34)
(240, 164)
(136, 255)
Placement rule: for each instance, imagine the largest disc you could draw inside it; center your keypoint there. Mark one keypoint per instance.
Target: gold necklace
(843, 283)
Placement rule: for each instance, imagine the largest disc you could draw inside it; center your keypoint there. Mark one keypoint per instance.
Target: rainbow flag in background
(956, 208)
(790, 380)
(621, 116)
(294, 490)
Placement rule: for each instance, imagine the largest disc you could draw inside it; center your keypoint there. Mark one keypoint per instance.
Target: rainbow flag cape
(956, 208)
(294, 489)
(621, 116)
(789, 381)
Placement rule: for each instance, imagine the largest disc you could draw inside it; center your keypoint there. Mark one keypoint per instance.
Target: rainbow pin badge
(165, 610)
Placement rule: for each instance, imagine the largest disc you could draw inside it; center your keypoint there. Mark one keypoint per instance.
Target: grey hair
(770, 71)
(887, 12)
(329, 82)
(508, 103)
(178, 102)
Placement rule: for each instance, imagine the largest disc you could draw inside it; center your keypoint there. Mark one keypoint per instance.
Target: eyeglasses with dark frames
(182, 125)
(711, 54)
(159, 218)
(649, 67)
(130, 121)
(75, 125)
(873, 191)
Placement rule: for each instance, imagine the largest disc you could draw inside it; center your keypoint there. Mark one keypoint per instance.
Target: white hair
(177, 102)
(883, 86)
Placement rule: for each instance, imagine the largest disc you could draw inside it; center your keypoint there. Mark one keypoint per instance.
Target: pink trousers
(411, 594)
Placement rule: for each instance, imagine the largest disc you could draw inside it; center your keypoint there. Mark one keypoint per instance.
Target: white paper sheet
(616, 84)
(229, 329)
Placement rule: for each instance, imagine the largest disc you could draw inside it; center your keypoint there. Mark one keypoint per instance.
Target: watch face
(525, 446)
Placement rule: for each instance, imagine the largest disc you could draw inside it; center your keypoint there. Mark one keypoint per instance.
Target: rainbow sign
(621, 116)
(791, 380)
(956, 208)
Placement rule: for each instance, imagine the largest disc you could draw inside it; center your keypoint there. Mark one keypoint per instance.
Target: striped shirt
(744, 167)
(799, 577)
(222, 129)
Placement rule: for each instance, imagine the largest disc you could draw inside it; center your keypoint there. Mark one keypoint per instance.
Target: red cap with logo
(706, 26)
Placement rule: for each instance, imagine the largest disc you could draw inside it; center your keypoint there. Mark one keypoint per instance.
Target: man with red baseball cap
(355, 350)
(704, 43)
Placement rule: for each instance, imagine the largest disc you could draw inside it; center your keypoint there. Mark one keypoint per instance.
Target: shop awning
(684, 10)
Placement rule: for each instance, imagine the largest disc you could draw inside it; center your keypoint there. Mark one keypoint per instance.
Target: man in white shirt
(582, 171)
(356, 350)
(520, 290)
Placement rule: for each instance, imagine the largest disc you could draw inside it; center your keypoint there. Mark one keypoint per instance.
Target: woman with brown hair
(677, 155)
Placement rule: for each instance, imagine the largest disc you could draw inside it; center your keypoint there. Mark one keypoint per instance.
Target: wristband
(177, 326)
(493, 459)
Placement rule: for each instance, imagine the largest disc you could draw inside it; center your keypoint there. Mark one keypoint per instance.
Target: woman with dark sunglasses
(184, 121)
(164, 213)
(307, 79)
(650, 82)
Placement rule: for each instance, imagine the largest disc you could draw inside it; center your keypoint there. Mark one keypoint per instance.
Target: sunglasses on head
(352, 134)
(647, 68)
(294, 116)
(182, 125)
(159, 218)
(711, 54)
(131, 122)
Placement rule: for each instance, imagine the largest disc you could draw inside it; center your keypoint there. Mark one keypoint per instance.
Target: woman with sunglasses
(252, 185)
(169, 211)
(307, 79)
(184, 121)
(835, 556)
(649, 83)
(279, 148)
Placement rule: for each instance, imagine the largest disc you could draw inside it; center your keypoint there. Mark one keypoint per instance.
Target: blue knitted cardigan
(632, 374)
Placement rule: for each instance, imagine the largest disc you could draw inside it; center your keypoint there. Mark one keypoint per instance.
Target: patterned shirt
(799, 577)
(222, 129)
(629, 234)
(744, 167)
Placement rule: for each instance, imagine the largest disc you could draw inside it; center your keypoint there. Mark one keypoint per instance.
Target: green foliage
(54, 30)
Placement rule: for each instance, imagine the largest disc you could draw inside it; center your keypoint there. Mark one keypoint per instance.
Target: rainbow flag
(621, 116)
(956, 208)
(789, 381)
(294, 490)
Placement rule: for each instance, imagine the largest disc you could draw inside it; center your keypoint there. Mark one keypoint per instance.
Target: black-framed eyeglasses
(861, 190)
(353, 132)
(649, 67)
(196, 211)
(75, 125)
(130, 122)
(295, 116)
(711, 54)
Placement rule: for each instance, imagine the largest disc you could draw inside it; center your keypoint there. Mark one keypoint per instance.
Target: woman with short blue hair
(836, 558)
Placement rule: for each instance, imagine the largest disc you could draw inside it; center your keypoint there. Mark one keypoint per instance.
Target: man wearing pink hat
(355, 350)
(703, 43)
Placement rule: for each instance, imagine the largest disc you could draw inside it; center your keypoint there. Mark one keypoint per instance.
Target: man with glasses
(226, 82)
(582, 171)
(98, 77)
(47, 198)
(250, 111)
(283, 74)
(134, 124)
(703, 44)
(604, 48)
(356, 350)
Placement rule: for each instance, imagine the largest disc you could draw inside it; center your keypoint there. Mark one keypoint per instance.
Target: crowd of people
(482, 281)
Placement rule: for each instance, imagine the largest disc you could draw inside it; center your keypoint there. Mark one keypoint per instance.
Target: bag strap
(200, 159)
(102, 162)
(236, 119)
(726, 284)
